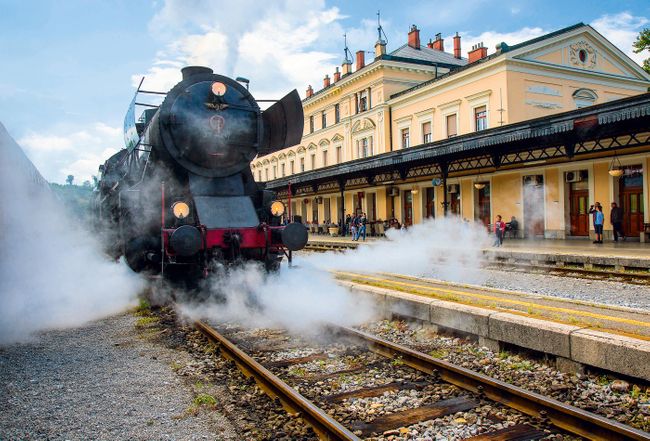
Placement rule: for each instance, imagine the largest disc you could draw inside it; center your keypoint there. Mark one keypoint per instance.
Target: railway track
(283, 366)
(574, 271)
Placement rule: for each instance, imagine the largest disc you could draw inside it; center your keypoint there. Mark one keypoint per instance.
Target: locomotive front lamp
(181, 210)
(277, 208)
(218, 88)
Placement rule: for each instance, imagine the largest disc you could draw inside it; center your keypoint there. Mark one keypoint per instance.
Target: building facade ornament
(582, 54)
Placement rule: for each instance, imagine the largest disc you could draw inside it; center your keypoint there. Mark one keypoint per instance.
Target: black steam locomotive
(181, 198)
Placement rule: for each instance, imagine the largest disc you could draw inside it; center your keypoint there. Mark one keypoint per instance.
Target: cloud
(74, 152)
(622, 29)
(280, 48)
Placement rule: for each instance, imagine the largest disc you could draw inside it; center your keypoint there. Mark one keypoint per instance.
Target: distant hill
(77, 200)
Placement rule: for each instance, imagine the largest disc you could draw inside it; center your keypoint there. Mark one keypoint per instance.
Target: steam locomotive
(181, 198)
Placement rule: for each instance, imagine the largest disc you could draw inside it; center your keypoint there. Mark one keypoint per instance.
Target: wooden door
(579, 212)
(632, 204)
(533, 205)
(484, 214)
(454, 203)
(408, 208)
(430, 206)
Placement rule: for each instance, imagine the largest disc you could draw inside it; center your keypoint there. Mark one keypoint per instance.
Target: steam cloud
(300, 299)
(52, 272)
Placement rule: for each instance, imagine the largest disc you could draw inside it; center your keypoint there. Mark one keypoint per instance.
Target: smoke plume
(303, 297)
(52, 271)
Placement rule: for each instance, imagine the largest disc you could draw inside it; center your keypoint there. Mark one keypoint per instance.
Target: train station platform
(576, 333)
(572, 252)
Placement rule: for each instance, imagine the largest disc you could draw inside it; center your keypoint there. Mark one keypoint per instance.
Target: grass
(175, 366)
(144, 322)
(298, 372)
(143, 309)
(439, 353)
(202, 400)
(397, 361)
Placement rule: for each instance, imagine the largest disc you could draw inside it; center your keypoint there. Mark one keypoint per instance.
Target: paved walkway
(574, 247)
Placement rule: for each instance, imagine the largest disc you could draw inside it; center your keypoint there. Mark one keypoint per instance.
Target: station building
(539, 130)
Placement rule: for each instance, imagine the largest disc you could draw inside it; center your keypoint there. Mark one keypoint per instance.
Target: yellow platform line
(500, 299)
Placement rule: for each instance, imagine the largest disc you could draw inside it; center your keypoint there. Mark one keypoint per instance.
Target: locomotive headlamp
(277, 208)
(218, 88)
(180, 209)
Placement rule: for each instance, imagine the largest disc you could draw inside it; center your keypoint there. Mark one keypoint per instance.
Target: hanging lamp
(478, 184)
(615, 168)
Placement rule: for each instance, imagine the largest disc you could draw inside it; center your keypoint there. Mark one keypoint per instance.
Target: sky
(68, 70)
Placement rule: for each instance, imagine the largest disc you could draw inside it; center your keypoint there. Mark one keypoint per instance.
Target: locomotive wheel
(136, 250)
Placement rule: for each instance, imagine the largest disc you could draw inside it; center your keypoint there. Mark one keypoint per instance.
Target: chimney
(380, 48)
(347, 67)
(414, 37)
(439, 44)
(457, 46)
(337, 75)
(326, 81)
(310, 91)
(361, 59)
(478, 52)
(430, 44)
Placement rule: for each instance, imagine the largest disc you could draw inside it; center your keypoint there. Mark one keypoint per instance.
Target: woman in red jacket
(499, 231)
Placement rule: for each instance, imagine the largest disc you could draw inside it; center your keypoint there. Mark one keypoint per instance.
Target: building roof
(503, 49)
(427, 54)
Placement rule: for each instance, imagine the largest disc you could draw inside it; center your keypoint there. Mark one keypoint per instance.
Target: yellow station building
(425, 99)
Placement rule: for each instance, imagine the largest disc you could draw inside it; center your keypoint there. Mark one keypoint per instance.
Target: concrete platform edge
(573, 346)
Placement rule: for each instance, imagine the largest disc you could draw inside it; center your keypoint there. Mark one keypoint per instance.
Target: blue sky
(69, 68)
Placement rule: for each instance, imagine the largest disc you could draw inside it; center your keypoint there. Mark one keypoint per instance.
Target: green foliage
(76, 199)
(205, 400)
(641, 44)
(145, 321)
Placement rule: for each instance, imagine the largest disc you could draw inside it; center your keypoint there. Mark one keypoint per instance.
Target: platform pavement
(619, 255)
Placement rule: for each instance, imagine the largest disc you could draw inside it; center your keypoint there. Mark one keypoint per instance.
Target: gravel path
(599, 291)
(101, 381)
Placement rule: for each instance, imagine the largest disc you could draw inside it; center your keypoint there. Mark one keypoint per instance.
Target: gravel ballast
(105, 380)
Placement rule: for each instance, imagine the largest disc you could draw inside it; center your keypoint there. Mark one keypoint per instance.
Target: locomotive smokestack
(190, 71)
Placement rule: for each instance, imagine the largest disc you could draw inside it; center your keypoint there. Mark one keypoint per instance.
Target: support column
(342, 214)
(444, 170)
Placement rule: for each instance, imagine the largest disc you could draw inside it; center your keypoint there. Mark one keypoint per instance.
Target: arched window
(584, 97)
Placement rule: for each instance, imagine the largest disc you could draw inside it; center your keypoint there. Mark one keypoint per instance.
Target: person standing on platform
(616, 218)
(353, 227)
(499, 231)
(348, 219)
(363, 220)
(599, 220)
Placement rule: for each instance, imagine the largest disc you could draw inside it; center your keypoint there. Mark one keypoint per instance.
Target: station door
(430, 207)
(534, 205)
(579, 212)
(408, 208)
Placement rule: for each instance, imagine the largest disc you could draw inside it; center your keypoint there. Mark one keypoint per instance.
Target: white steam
(52, 272)
(302, 298)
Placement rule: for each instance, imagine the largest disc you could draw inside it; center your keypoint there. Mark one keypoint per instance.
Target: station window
(452, 129)
(259, 175)
(313, 161)
(426, 132)
(338, 154)
(302, 165)
(311, 124)
(282, 170)
(325, 159)
(291, 167)
(275, 171)
(337, 114)
(362, 103)
(266, 173)
(480, 118)
(406, 138)
(323, 119)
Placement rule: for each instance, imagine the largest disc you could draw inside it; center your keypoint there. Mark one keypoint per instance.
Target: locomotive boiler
(181, 198)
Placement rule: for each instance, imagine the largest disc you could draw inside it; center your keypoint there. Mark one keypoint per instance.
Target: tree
(87, 184)
(641, 44)
(69, 179)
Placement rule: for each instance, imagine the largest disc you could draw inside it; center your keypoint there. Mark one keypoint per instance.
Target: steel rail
(325, 426)
(561, 415)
